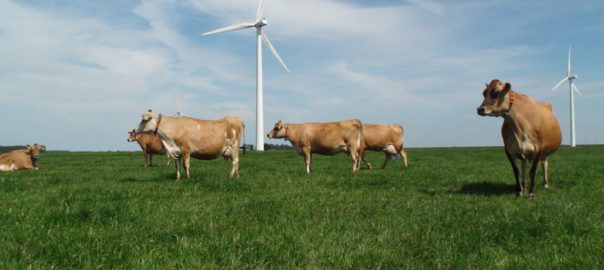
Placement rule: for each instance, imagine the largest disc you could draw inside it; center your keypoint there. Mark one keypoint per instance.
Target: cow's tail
(402, 151)
(243, 134)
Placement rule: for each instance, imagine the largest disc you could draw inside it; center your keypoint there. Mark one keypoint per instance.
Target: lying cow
(21, 159)
(322, 138)
(150, 144)
(530, 129)
(383, 138)
(184, 137)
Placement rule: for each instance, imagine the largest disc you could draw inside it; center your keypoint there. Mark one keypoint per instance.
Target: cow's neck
(516, 118)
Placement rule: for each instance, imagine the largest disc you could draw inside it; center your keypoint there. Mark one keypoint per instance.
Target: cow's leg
(516, 173)
(534, 165)
(404, 156)
(168, 163)
(235, 163)
(146, 158)
(356, 160)
(386, 159)
(523, 173)
(150, 159)
(186, 163)
(365, 161)
(307, 158)
(177, 164)
(544, 166)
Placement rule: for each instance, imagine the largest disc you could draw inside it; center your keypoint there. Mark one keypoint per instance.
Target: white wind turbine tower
(571, 88)
(260, 37)
(179, 112)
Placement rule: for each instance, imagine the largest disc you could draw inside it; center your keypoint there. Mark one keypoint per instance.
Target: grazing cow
(150, 144)
(530, 129)
(184, 137)
(383, 138)
(322, 138)
(21, 159)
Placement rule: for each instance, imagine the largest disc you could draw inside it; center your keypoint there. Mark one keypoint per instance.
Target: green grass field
(452, 208)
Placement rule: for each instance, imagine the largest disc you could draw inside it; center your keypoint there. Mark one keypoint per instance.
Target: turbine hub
(572, 77)
(261, 22)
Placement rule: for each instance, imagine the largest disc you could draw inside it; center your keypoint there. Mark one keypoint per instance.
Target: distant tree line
(268, 146)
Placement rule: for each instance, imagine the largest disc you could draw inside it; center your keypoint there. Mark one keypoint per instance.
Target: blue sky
(76, 75)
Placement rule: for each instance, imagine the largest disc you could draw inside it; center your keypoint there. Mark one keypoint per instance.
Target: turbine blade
(568, 70)
(229, 28)
(560, 83)
(270, 46)
(576, 89)
(260, 11)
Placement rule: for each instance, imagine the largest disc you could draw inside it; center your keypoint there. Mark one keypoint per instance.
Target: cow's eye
(484, 93)
(494, 94)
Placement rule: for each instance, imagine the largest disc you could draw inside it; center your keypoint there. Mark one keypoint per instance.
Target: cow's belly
(329, 151)
(521, 147)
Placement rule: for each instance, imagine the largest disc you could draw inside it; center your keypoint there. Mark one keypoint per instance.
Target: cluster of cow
(182, 137)
(530, 133)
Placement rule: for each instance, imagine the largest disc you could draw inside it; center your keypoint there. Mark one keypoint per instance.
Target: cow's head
(34, 152)
(278, 131)
(132, 135)
(496, 99)
(149, 122)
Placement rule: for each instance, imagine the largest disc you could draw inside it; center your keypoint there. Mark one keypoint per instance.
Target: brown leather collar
(157, 126)
(511, 98)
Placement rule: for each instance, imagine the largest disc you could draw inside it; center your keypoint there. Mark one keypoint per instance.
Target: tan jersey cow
(383, 138)
(530, 129)
(21, 159)
(202, 139)
(150, 144)
(322, 138)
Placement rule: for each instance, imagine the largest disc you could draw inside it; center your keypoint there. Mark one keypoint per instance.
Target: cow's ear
(42, 148)
(28, 147)
(507, 88)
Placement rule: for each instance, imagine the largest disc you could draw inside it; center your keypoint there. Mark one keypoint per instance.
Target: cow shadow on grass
(486, 188)
(147, 179)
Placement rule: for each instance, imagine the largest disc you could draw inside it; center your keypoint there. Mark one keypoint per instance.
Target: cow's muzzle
(481, 111)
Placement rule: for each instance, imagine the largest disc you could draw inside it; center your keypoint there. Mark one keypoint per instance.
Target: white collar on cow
(157, 126)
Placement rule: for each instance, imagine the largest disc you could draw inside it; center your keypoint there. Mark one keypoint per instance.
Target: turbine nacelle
(572, 77)
(261, 22)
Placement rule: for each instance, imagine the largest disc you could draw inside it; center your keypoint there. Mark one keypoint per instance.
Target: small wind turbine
(571, 87)
(260, 37)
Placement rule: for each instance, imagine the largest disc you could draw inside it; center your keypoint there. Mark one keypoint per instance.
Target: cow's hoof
(546, 186)
(531, 195)
(518, 193)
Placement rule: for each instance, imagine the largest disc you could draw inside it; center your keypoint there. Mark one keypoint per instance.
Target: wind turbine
(571, 87)
(260, 38)
(179, 112)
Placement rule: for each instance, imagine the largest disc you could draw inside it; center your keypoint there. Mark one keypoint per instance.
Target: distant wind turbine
(571, 88)
(260, 37)
(179, 112)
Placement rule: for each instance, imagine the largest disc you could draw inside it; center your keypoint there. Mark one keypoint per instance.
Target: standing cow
(383, 138)
(150, 144)
(202, 139)
(530, 129)
(21, 159)
(322, 138)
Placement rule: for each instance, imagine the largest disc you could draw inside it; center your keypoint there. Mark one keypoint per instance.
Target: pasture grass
(452, 208)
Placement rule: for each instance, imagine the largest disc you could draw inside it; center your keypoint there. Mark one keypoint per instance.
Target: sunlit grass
(452, 208)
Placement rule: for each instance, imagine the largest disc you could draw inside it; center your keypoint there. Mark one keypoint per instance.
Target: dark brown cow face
(148, 123)
(278, 131)
(496, 100)
(132, 135)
